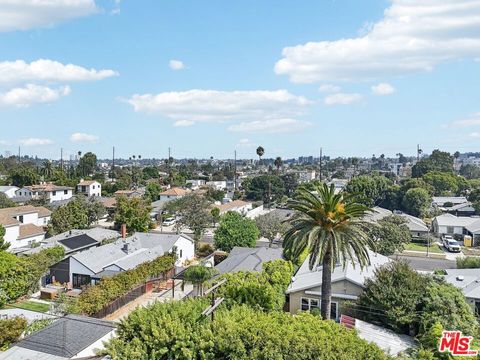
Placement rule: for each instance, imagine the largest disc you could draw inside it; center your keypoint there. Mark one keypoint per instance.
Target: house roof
(7, 215)
(29, 230)
(378, 214)
(414, 223)
(142, 247)
(467, 280)
(467, 206)
(87, 182)
(452, 220)
(231, 205)
(440, 200)
(47, 187)
(306, 278)
(108, 202)
(67, 336)
(248, 259)
(175, 191)
(4, 189)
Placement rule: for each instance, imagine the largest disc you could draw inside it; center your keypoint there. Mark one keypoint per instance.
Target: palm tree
(260, 152)
(278, 163)
(330, 227)
(47, 169)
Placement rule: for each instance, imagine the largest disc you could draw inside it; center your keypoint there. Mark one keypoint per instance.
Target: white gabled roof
(452, 220)
(306, 279)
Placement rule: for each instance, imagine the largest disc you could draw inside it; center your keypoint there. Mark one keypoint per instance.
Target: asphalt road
(426, 264)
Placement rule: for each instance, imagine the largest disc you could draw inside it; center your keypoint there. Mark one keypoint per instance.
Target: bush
(95, 298)
(235, 230)
(203, 250)
(177, 330)
(468, 262)
(12, 329)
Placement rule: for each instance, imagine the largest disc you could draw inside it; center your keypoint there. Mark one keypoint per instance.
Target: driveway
(426, 264)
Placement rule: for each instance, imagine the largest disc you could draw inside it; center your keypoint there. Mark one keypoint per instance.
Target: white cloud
(48, 70)
(270, 126)
(35, 142)
(192, 106)
(329, 88)
(4, 142)
(245, 143)
(342, 99)
(473, 120)
(32, 94)
(475, 135)
(176, 65)
(412, 36)
(183, 123)
(82, 137)
(28, 14)
(383, 89)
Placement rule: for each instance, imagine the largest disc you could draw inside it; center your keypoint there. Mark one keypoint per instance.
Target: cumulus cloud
(82, 137)
(176, 65)
(270, 126)
(48, 70)
(192, 106)
(329, 88)
(31, 94)
(28, 14)
(342, 99)
(473, 120)
(35, 142)
(413, 36)
(383, 89)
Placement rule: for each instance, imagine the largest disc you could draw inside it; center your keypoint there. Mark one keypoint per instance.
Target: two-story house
(47, 191)
(24, 225)
(89, 188)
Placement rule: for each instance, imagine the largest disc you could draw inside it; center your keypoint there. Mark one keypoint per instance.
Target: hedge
(95, 298)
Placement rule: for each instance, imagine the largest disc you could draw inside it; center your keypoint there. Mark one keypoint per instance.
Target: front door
(80, 280)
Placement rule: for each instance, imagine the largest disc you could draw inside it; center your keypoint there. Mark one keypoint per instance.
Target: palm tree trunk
(326, 285)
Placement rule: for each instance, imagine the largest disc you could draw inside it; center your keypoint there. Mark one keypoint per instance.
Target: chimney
(125, 248)
(123, 230)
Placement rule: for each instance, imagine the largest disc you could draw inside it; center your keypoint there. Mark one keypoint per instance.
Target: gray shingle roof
(248, 259)
(467, 280)
(67, 336)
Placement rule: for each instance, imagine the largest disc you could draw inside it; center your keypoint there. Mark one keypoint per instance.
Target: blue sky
(208, 77)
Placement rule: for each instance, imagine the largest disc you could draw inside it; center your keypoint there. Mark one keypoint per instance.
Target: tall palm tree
(260, 152)
(278, 163)
(47, 169)
(330, 227)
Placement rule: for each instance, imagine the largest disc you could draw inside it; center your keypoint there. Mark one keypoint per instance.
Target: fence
(133, 294)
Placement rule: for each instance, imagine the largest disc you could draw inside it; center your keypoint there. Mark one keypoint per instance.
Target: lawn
(419, 247)
(32, 305)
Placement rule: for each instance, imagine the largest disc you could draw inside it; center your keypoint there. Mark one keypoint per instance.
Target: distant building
(217, 185)
(239, 206)
(248, 259)
(467, 280)
(196, 183)
(9, 191)
(130, 193)
(173, 194)
(47, 191)
(89, 188)
(24, 225)
(306, 176)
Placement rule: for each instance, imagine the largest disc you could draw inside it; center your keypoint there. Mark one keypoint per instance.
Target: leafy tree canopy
(235, 230)
(391, 234)
(438, 161)
(133, 212)
(370, 189)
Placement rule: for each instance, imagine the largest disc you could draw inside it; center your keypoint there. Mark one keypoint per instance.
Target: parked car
(452, 245)
(169, 221)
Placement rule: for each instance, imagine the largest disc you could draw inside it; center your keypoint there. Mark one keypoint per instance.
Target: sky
(206, 78)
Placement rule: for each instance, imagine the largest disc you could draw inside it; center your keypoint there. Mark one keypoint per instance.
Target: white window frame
(310, 306)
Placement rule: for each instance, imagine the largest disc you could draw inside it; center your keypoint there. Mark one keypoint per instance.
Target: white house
(9, 191)
(239, 206)
(24, 225)
(173, 194)
(89, 266)
(196, 183)
(217, 185)
(306, 176)
(89, 188)
(451, 224)
(47, 191)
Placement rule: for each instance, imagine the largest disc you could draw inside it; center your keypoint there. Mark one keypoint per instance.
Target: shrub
(468, 262)
(177, 330)
(12, 329)
(235, 230)
(95, 298)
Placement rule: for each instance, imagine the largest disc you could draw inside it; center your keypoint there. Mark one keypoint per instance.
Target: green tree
(12, 329)
(69, 216)
(330, 226)
(152, 191)
(235, 230)
(278, 163)
(215, 212)
(470, 171)
(265, 188)
(87, 164)
(23, 175)
(3, 244)
(270, 225)
(438, 161)
(133, 212)
(198, 275)
(290, 181)
(177, 330)
(417, 201)
(391, 234)
(47, 169)
(260, 152)
(443, 183)
(370, 190)
(5, 202)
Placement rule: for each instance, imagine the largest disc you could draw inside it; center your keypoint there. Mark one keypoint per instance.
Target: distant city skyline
(207, 78)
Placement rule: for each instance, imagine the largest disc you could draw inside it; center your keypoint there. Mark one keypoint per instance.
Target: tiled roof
(29, 230)
(174, 192)
(7, 215)
(232, 205)
(87, 182)
(47, 187)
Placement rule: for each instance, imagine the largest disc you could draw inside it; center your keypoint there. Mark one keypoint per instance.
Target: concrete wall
(185, 250)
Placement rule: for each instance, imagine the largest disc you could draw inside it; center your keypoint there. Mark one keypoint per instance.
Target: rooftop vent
(460, 278)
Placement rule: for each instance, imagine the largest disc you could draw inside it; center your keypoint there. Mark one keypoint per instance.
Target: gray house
(248, 259)
(467, 280)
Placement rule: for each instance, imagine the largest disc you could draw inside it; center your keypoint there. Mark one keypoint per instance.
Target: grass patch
(32, 305)
(420, 247)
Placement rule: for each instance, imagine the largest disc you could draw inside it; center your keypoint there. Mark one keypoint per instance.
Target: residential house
(248, 259)
(69, 337)
(440, 201)
(9, 191)
(217, 185)
(417, 226)
(24, 225)
(451, 224)
(306, 176)
(347, 284)
(137, 193)
(90, 266)
(47, 191)
(196, 183)
(173, 193)
(89, 188)
(467, 280)
(239, 206)
(464, 209)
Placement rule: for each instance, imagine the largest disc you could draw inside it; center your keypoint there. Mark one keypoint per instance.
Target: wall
(11, 235)
(60, 195)
(187, 248)
(78, 268)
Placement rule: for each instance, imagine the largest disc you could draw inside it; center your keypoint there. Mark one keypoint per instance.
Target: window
(449, 229)
(477, 308)
(20, 218)
(181, 253)
(80, 280)
(65, 192)
(54, 193)
(308, 304)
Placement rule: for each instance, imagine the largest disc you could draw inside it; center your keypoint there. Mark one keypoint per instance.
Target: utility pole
(61, 159)
(113, 163)
(19, 155)
(419, 151)
(235, 172)
(320, 166)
